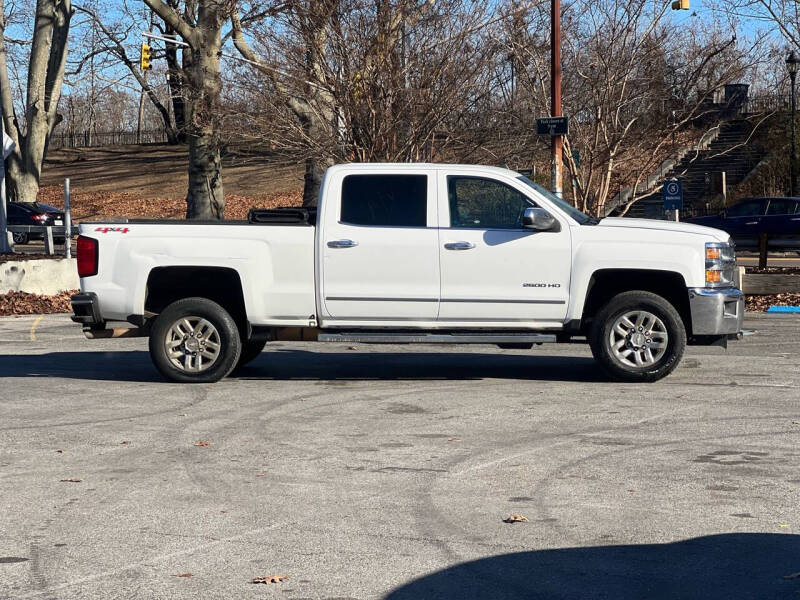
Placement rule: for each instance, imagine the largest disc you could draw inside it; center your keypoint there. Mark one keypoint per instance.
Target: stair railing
(655, 179)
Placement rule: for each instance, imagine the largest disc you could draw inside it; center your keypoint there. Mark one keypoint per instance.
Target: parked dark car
(779, 218)
(22, 213)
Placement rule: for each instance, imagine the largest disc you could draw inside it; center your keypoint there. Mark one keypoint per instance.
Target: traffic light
(680, 5)
(144, 61)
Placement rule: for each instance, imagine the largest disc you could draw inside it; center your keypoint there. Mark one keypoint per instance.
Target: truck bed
(274, 263)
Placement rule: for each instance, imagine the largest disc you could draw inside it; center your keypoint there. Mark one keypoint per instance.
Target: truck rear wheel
(195, 340)
(638, 336)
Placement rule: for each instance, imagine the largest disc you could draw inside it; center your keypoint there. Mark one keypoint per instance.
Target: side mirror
(538, 219)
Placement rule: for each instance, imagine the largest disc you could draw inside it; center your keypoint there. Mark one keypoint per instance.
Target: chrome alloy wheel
(193, 344)
(638, 339)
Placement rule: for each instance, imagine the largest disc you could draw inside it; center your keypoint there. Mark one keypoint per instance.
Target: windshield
(565, 206)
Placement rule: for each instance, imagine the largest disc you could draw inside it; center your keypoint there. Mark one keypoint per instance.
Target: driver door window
(477, 203)
(780, 206)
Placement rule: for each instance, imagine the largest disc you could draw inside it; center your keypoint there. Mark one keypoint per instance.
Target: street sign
(552, 126)
(673, 194)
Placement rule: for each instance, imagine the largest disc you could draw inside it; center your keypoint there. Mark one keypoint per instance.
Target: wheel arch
(607, 283)
(222, 285)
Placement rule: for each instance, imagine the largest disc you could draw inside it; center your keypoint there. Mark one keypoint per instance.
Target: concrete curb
(45, 277)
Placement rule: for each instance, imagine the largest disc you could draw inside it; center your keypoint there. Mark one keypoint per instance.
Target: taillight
(88, 256)
(41, 218)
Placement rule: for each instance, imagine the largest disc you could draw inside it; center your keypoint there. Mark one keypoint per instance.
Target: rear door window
(748, 208)
(385, 200)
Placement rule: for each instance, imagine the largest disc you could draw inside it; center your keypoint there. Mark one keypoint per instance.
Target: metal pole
(5, 247)
(68, 221)
(555, 90)
(793, 165)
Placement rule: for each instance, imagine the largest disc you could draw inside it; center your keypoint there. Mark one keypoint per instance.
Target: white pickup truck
(411, 253)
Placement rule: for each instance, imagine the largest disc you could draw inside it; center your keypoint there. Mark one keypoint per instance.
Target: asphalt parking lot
(386, 472)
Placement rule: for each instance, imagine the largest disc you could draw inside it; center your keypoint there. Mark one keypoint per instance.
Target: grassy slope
(150, 181)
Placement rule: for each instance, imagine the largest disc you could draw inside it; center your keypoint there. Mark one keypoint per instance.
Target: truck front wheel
(638, 336)
(195, 340)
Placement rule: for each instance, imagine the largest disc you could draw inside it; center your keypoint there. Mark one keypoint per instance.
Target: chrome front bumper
(716, 311)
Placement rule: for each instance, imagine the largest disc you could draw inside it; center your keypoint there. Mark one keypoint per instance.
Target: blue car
(745, 221)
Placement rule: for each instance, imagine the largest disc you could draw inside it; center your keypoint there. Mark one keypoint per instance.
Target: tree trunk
(315, 171)
(45, 76)
(175, 75)
(205, 199)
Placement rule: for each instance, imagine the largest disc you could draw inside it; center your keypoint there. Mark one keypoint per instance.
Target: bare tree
(201, 28)
(114, 38)
(382, 81)
(31, 131)
(635, 81)
(782, 16)
(314, 107)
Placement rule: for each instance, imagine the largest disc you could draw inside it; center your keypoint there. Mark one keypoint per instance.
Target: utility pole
(555, 90)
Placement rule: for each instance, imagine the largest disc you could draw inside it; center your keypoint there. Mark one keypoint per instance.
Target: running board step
(437, 338)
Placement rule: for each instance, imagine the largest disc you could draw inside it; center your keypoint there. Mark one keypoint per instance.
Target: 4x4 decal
(112, 230)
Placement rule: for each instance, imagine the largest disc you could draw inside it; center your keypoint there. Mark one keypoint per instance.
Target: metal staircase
(729, 152)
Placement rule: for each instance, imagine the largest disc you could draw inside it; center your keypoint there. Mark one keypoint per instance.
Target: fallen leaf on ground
(72, 480)
(783, 525)
(454, 440)
(23, 303)
(184, 575)
(125, 442)
(59, 452)
(203, 444)
(270, 579)
(515, 519)
(762, 303)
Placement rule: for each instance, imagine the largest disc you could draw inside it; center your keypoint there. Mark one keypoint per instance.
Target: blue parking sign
(673, 195)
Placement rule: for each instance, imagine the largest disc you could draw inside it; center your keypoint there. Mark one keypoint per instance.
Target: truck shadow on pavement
(741, 566)
(283, 364)
(361, 365)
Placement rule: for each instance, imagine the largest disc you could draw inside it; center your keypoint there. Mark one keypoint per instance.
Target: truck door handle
(460, 246)
(342, 244)
(752, 223)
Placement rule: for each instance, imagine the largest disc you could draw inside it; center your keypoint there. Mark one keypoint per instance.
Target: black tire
(227, 338)
(601, 332)
(251, 350)
(20, 238)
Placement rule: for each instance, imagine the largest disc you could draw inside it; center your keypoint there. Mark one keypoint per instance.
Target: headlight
(720, 265)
